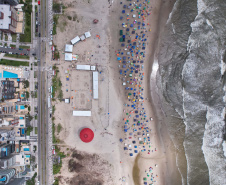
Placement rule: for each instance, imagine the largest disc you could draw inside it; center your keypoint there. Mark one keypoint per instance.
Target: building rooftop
(68, 56)
(68, 48)
(6, 20)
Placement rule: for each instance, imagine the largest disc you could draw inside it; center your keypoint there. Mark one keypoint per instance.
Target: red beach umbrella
(86, 135)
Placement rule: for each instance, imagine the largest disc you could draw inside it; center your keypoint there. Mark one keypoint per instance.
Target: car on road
(51, 37)
(20, 48)
(51, 32)
(28, 49)
(39, 34)
(39, 2)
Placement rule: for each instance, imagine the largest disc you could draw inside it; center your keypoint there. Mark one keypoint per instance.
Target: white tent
(83, 67)
(68, 56)
(68, 48)
(87, 34)
(95, 85)
(75, 40)
(83, 37)
(81, 113)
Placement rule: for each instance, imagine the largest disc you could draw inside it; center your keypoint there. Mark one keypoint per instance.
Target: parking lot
(17, 51)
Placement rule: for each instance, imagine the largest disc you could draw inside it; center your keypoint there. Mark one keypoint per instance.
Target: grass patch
(57, 91)
(57, 166)
(13, 63)
(69, 17)
(12, 45)
(27, 8)
(35, 74)
(16, 56)
(55, 22)
(59, 128)
(36, 129)
(32, 180)
(13, 37)
(26, 83)
(24, 47)
(56, 7)
(56, 181)
(6, 37)
(27, 94)
(53, 109)
(29, 130)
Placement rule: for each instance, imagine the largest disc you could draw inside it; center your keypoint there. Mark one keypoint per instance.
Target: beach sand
(110, 163)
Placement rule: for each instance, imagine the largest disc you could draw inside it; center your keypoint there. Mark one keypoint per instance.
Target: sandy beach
(108, 156)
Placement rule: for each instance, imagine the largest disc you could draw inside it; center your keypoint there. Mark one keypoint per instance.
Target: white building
(83, 67)
(8, 18)
(75, 40)
(68, 48)
(82, 37)
(95, 85)
(87, 34)
(68, 57)
(67, 100)
(82, 113)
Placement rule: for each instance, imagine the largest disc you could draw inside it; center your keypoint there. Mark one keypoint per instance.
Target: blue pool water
(21, 117)
(27, 156)
(16, 107)
(22, 131)
(0, 75)
(22, 95)
(7, 74)
(22, 107)
(26, 149)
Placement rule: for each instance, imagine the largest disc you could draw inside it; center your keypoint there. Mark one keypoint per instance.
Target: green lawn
(57, 85)
(16, 56)
(13, 63)
(12, 45)
(32, 180)
(13, 37)
(59, 128)
(29, 129)
(24, 47)
(6, 37)
(26, 37)
(36, 130)
(55, 20)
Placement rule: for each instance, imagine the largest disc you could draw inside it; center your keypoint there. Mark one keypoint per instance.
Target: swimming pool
(22, 107)
(22, 131)
(7, 74)
(26, 149)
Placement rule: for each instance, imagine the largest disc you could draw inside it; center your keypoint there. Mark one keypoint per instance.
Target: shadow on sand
(136, 171)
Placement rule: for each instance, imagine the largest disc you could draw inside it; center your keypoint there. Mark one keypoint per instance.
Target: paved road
(42, 97)
(14, 51)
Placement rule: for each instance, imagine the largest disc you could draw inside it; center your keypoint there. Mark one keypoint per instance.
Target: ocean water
(191, 84)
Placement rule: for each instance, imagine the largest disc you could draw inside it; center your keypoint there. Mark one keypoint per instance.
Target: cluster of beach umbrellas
(131, 58)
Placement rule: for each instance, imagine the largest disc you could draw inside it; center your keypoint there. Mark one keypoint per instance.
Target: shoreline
(169, 152)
